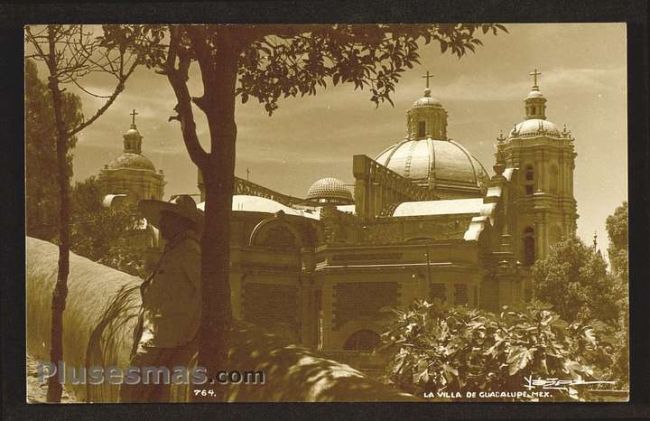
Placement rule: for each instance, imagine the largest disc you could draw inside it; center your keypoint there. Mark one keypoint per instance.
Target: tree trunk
(54, 387)
(218, 177)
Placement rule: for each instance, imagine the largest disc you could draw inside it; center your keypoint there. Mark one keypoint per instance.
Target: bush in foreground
(440, 348)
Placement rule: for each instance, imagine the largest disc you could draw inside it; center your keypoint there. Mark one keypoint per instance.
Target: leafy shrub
(454, 349)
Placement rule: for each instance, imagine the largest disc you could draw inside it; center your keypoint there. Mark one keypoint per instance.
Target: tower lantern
(427, 118)
(535, 102)
(132, 137)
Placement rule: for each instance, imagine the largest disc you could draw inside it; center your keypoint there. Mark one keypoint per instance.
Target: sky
(583, 77)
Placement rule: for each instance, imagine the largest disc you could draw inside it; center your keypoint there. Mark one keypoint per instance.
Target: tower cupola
(535, 101)
(133, 138)
(427, 118)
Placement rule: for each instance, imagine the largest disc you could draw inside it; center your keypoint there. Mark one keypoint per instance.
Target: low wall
(101, 310)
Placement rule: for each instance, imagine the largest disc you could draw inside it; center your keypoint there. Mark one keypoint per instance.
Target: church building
(424, 220)
(131, 176)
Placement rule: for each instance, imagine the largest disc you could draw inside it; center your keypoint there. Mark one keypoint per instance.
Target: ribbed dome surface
(329, 188)
(426, 100)
(131, 161)
(534, 127)
(430, 161)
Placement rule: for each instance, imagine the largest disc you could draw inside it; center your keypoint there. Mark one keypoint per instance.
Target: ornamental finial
(500, 163)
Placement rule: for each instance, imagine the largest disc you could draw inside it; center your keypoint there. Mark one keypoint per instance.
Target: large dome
(131, 161)
(434, 162)
(329, 189)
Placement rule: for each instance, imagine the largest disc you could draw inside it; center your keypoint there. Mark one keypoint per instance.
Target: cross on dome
(534, 74)
(133, 114)
(427, 77)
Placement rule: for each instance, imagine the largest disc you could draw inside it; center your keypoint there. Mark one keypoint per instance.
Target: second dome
(435, 164)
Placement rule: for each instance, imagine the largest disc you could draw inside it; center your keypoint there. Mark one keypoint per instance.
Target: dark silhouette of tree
(269, 62)
(69, 53)
(41, 195)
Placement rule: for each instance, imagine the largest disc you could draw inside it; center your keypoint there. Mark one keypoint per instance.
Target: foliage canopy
(443, 348)
(574, 279)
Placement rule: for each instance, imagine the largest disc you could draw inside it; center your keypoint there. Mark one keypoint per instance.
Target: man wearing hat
(171, 297)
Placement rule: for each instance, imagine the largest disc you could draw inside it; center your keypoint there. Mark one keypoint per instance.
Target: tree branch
(178, 80)
(78, 85)
(118, 90)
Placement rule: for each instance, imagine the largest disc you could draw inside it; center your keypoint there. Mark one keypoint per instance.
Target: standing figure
(171, 300)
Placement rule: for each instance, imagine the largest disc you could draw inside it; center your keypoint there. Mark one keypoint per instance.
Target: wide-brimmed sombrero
(182, 205)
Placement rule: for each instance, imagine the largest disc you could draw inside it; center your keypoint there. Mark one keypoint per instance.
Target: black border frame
(12, 307)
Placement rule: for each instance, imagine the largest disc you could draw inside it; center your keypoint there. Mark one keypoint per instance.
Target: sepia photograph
(326, 212)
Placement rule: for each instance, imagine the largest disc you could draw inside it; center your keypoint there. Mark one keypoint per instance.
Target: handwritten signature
(558, 384)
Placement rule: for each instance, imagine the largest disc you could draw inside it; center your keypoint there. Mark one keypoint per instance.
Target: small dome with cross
(132, 157)
(535, 124)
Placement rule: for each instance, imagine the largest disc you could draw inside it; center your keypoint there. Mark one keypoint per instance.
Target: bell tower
(541, 159)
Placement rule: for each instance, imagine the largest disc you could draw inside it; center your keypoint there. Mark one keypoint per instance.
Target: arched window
(276, 235)
(530, 180)
(421, 128)
(530, 173)
(362, 340)
(529, 246)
